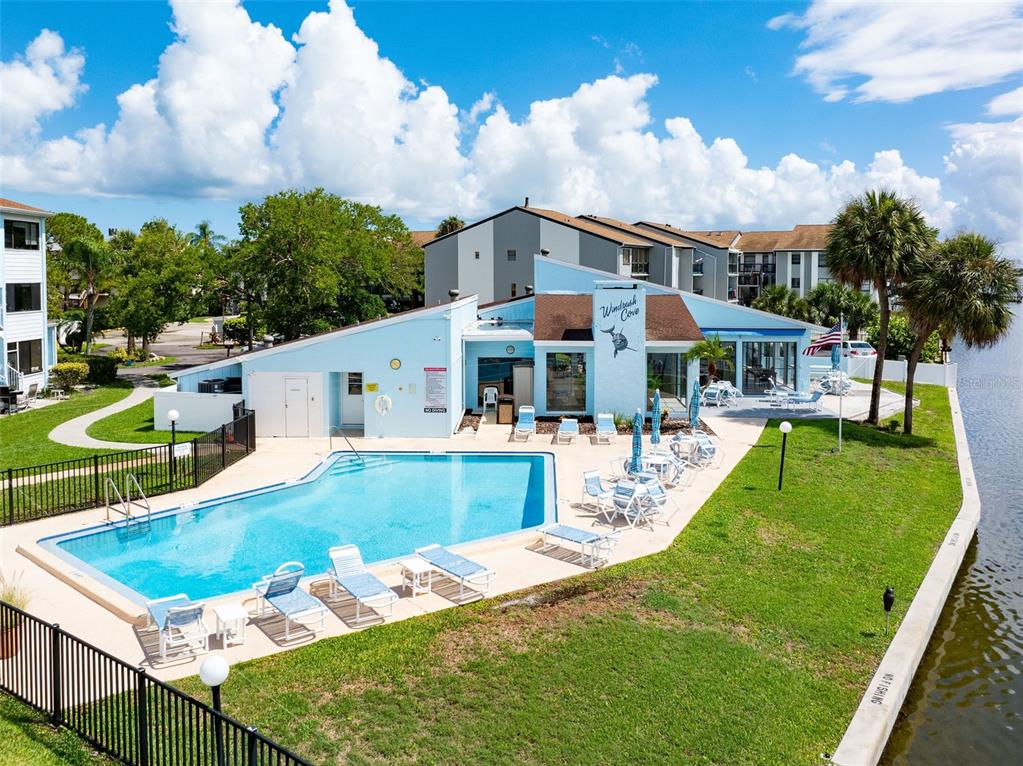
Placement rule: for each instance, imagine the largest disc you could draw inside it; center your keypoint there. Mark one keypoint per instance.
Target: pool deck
(61, 594)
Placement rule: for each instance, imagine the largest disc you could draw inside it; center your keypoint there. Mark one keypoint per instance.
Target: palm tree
(829, 300)
(961, 288)
(779, 299)
(711, 350)
(205, 237)
(91, 261)
(450, 224)
(878, 238)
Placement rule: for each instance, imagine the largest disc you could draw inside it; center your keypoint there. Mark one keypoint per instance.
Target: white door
(296, 407)
(352, 413)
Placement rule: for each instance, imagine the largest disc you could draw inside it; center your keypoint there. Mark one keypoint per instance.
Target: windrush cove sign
(619, 347)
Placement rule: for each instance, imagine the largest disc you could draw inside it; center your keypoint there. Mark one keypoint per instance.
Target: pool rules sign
(435, 392)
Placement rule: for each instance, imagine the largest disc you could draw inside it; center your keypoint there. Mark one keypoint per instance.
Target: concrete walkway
(72, 432)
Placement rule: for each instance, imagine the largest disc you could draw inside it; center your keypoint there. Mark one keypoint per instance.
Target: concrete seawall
(865, 738)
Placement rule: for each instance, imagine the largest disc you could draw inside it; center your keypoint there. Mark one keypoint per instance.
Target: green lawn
(135, 425)
(24, 437)
(749, 641)
(27, 740)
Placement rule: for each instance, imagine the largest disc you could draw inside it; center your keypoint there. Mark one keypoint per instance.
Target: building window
(23, 296)
(514, 290)
(724, 368)
(797, 258)
(355, 384)
(764, 362)
(511, 255)
(21, 235)
(795, 283)
(641, 263)
(822, 260)
(26, 356)
(566, 382)
(666, 373)
(477, 255)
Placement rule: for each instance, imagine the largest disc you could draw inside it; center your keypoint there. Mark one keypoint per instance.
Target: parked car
(857, 348)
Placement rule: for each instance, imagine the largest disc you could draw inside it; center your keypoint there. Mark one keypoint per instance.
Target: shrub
(237, 330)
(69, 374)
(102, 369)
(119, 354)
(900, 340)
(13, 592)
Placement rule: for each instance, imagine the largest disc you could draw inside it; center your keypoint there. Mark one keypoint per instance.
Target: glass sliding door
(497, 372)
(566, 382)
(764, 361)
(668, 373)
(725, 367)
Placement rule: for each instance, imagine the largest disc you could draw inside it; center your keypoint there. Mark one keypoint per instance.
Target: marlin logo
(618, 340)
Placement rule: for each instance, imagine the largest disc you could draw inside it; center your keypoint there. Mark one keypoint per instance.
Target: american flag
(830, 338)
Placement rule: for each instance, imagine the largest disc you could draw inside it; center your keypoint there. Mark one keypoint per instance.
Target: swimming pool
(389, 505)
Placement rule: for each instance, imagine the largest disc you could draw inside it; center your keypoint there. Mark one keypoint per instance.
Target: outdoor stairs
(353, 464)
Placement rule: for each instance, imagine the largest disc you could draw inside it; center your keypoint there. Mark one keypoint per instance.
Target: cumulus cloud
(1006, 104)
(873, 51)
(43, 81)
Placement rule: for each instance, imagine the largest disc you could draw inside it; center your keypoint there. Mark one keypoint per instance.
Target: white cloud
(898, 51)
(1006, 104)
(43, 81)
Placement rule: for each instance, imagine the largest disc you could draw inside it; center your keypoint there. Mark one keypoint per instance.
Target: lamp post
(172, 416)
(889, 601)
(213, 672)
(785, 427)
(228, 345)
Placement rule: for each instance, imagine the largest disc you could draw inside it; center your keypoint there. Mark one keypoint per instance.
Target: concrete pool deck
(63, 599)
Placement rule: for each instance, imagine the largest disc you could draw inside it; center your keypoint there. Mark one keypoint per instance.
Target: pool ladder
(124, 503)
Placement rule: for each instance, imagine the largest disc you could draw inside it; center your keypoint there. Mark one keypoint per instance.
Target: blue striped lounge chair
(568, 430)
(460, 569)
(179, 620)
(281, 592)
(812, 402)
(606, 430)
(348, 573)
(595, 547)
(526, 424)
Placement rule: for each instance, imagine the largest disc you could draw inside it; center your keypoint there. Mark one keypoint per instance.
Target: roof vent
(529, 289)
(526, 203)
(453, 293)
(544, 251)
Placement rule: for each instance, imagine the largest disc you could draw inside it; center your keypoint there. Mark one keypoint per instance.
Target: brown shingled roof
(422, 237)
(805, 236)
(9, 203)
(660, 237)
(592, 227)
(570, 317)
(722, 239)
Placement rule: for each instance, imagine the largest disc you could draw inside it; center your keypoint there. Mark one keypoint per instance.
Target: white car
(857, 348)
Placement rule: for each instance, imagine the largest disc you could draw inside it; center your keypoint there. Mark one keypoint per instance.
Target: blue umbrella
(655, 433)
(836, 356)
(637, 443)
(694, 405)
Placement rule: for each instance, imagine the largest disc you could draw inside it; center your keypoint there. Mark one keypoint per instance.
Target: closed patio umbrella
(836, 356)
(637, 443)
(694, 405)
(655, 432)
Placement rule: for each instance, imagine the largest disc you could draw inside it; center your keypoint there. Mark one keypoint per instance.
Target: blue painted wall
(619, 357)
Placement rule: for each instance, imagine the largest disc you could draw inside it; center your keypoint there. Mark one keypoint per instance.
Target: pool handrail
(340, 432)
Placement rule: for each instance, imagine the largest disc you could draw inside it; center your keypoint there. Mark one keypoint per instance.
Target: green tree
(710, 350)
(779, 299)
(961, 289)
(900, 339)
(205, 238)
(878, 238)
(828, 300)
(92, 262)
(450, 224)
(61, 230)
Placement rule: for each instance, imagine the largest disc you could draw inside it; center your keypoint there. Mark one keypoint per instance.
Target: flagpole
(841, 396)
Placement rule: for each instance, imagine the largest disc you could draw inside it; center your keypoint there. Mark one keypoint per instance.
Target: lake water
(966, 703)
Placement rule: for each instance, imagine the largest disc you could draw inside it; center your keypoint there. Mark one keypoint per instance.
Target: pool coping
(113, 595)
(867, 735)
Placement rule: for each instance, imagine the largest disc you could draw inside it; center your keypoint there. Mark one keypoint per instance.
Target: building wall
(520, 232)
(475, 274)
(440, 268)
(620, 382)
(598, 253)
(25, 266)
(199, 412)
(562, 241)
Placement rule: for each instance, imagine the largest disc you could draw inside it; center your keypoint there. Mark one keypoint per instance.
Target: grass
(749, 641)
(134, 425)
(26, 738)
(24, 437)
(153, 362)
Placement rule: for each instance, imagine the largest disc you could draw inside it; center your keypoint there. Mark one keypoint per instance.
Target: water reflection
(966, 704)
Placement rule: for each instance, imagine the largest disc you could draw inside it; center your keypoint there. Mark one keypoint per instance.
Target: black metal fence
(34, 492)
(120, 709)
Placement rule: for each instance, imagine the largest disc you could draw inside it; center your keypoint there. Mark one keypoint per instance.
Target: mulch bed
(587, 427)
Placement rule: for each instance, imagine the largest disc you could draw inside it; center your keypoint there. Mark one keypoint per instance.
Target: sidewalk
(72, 432)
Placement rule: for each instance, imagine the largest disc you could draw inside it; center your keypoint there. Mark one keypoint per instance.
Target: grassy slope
(135, 425)
(749, 641)
(26, 740)
(24, 437)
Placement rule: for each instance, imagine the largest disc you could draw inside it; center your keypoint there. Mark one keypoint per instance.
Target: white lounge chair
(526, 424)
(606, 429)
(595, 491)
(568, 430)
(812, 401)
(280, 591)
(348, 572)
(179, 620)
(657, 499)
(464, 571)
(595, 547)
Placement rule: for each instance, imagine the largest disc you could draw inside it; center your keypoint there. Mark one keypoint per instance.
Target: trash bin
(506, 409)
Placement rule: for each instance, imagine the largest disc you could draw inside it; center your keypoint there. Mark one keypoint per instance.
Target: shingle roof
(806, 236)
(422, 237)
(9, 204)
(660, 237)
(570, 317)
(722, 239)
(593, 227)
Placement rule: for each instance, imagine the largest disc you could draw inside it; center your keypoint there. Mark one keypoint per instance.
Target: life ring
(383, 404)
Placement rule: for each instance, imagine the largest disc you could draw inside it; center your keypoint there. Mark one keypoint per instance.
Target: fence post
(10, 495)
(248, 433)
(223, 447)
(95, 478)
(195, 462)
(142, 717)
(56, 678)
(252, 756)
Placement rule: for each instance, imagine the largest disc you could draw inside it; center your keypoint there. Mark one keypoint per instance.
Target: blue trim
(791, 333)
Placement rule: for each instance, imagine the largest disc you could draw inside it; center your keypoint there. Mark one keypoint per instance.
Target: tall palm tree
(91, 261)
(779, 299)
(962, 288)
(878, 238)
(450, 224)
(709, 349)
(205, 237)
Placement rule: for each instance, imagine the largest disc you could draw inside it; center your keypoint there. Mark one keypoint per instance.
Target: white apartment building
(27, 337)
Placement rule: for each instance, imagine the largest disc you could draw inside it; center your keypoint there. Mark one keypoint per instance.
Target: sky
(703, 115)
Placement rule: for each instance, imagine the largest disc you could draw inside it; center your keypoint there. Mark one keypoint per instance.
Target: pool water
(389, 505)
